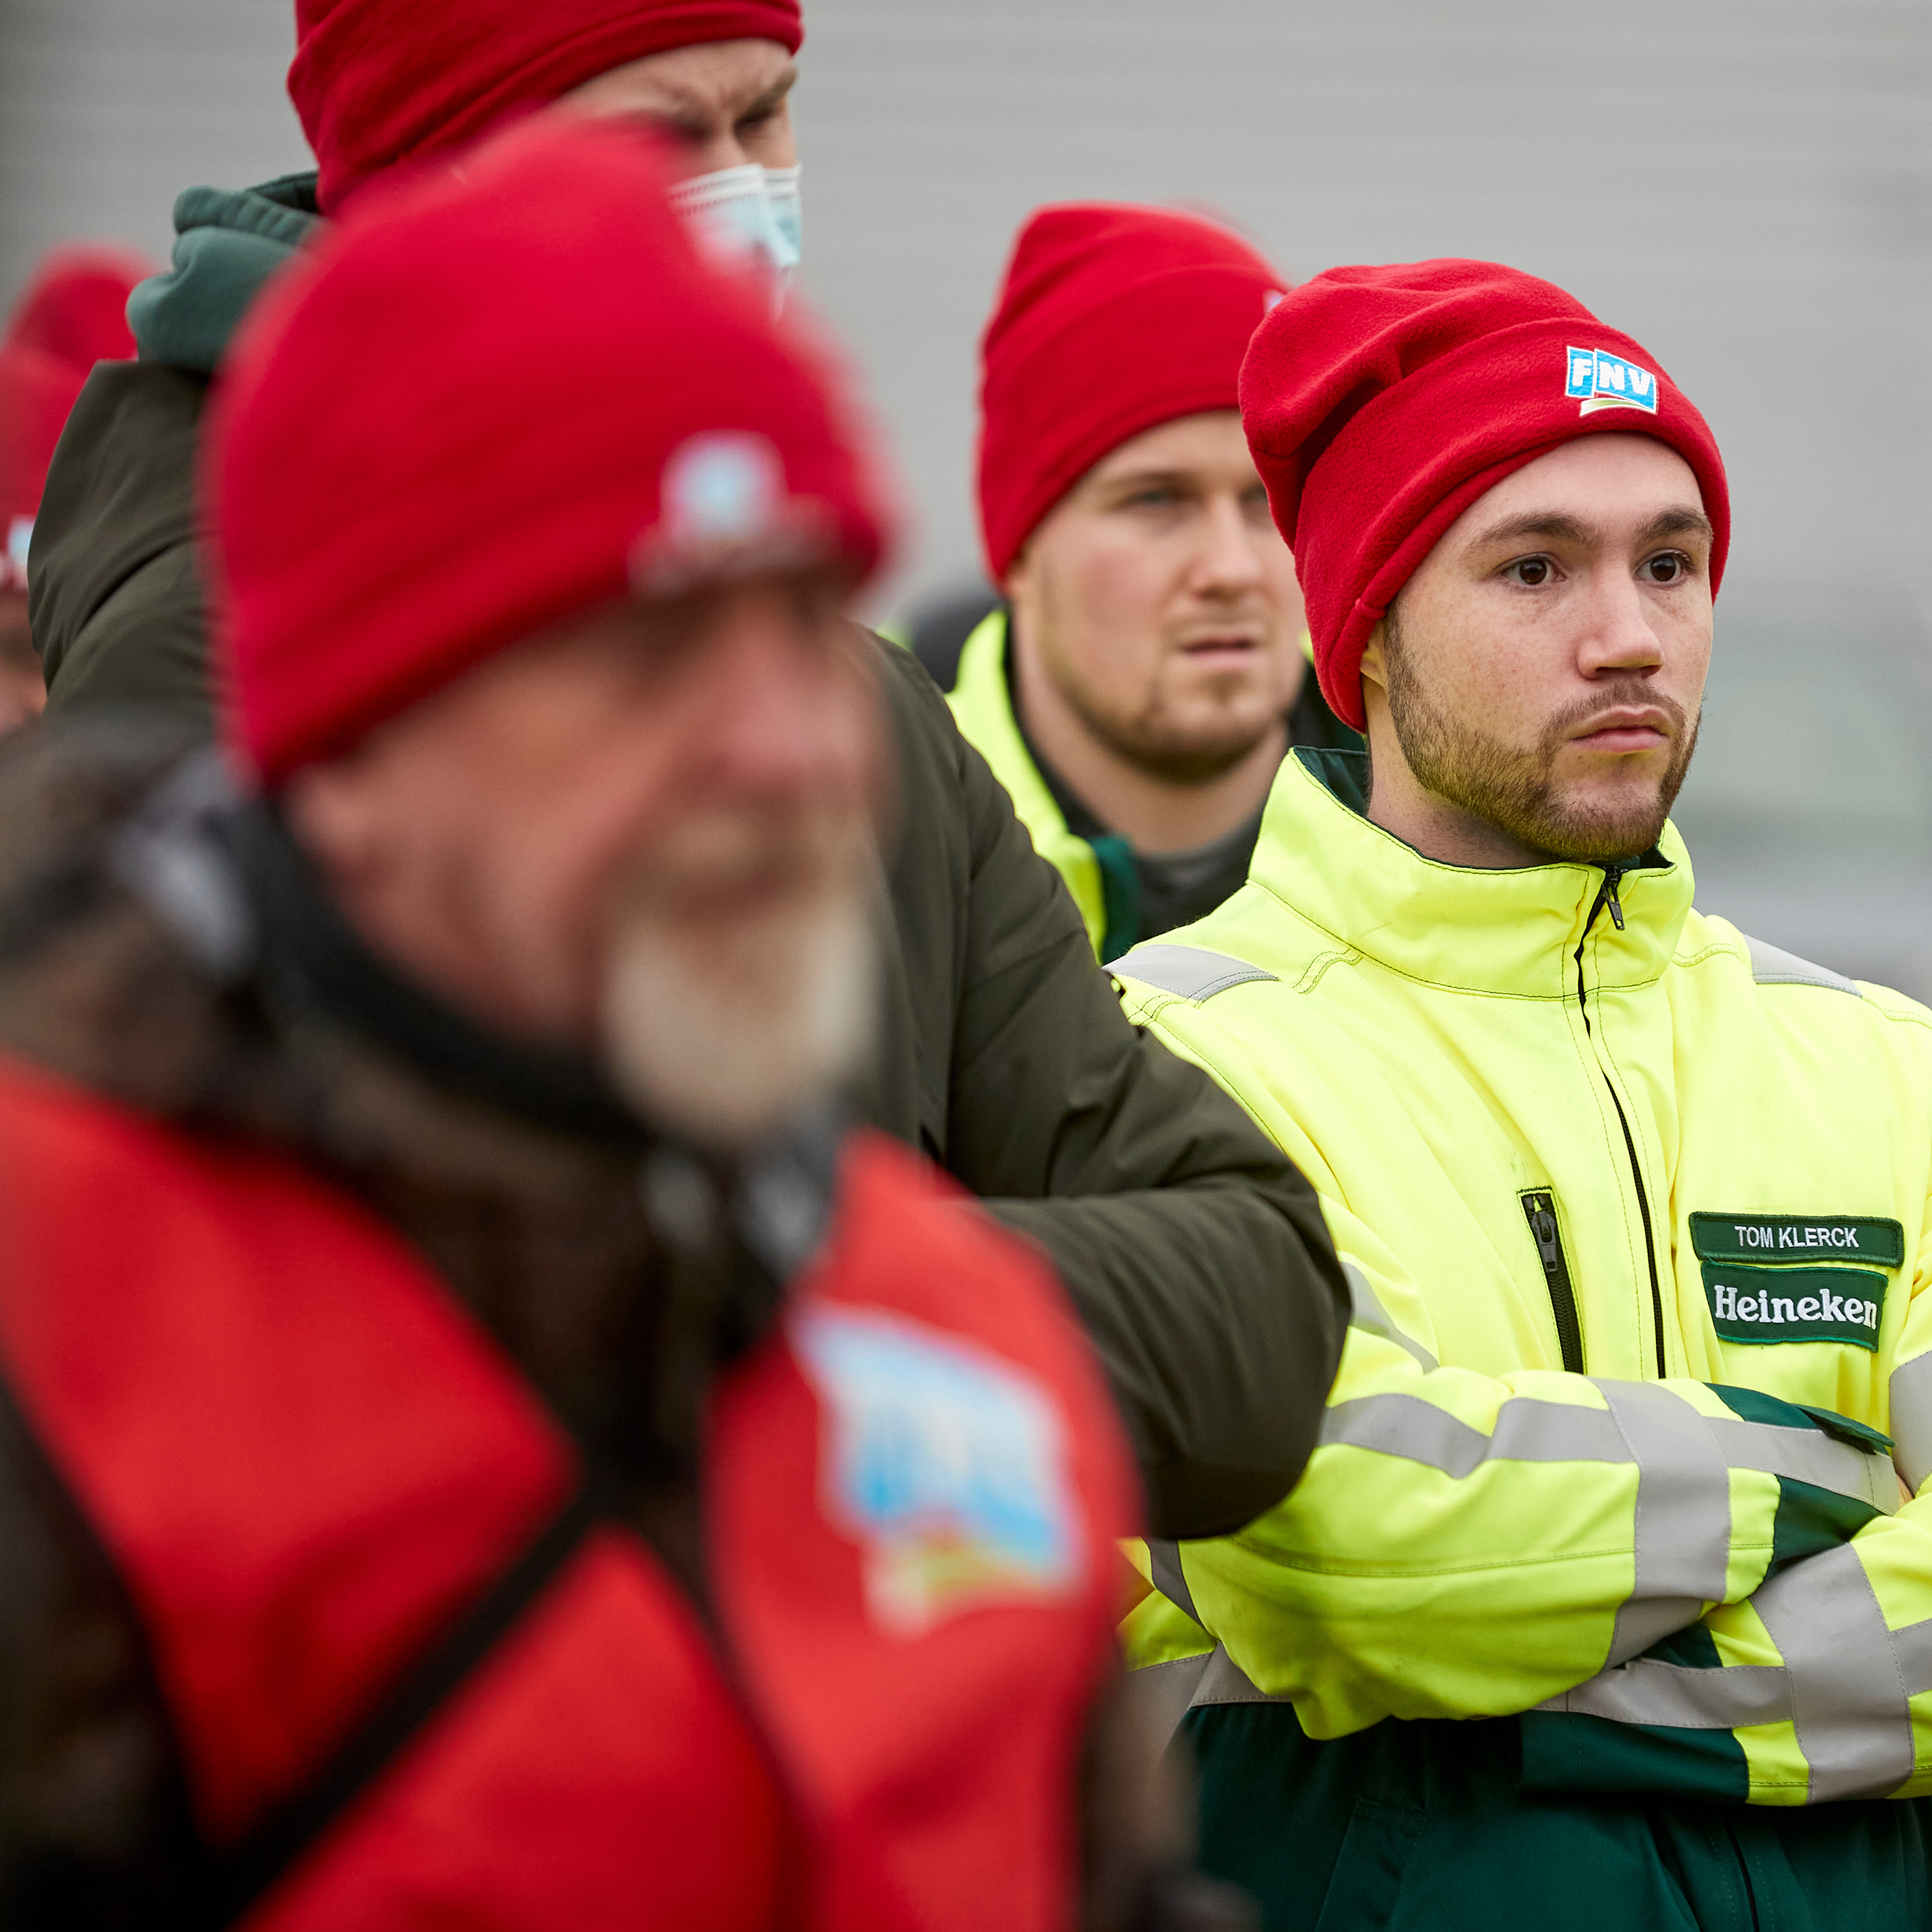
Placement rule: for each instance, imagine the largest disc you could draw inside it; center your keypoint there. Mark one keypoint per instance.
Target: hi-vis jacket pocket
(1764, 1280)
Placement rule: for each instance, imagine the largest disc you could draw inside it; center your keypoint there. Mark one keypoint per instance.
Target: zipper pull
(1606, 895)
(1543, 1227)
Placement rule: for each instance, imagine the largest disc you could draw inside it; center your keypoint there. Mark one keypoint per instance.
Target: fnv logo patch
(946, 1464)
(1601, 381)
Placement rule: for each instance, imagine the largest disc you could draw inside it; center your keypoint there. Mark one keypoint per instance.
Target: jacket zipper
(1607, 895)
(1539, 1210)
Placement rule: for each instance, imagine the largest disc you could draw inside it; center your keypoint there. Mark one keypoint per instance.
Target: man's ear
(1374, 666)
(1018, 574)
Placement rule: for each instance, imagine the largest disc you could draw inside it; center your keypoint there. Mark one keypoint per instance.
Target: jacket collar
(1512, 932)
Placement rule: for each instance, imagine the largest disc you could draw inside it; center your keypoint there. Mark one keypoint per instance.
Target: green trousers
(1424, 1828)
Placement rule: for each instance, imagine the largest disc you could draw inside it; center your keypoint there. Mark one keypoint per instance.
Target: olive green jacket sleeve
(1196, 1253)
(116, 595)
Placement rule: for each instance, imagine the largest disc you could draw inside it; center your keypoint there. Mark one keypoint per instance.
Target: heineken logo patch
(1794, 1304)
(1798, 1238)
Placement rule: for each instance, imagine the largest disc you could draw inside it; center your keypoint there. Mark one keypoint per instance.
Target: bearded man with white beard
(479, 1445)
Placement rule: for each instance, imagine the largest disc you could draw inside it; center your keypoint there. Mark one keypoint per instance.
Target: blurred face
(718, 105)
(1544, 671)
(23, 691)
(645, 835)
(1157, 602)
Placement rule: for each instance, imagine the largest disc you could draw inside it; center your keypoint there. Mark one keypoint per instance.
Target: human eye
(1669, 566)
(1532, 573)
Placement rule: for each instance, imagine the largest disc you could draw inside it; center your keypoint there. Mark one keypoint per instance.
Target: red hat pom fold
(377, 81)
(1112, 318)
(1381, 403)
(417, 460)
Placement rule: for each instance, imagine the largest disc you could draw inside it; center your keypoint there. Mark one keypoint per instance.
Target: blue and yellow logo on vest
(1601, 381)
(945, 1463)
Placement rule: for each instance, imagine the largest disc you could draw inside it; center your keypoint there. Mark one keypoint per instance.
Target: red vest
(306, 1460)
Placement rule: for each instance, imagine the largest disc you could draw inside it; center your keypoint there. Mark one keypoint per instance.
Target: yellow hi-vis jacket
(1636, 1212)
(982, 707)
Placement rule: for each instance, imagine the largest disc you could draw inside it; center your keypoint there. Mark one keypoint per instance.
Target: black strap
(239, 1878)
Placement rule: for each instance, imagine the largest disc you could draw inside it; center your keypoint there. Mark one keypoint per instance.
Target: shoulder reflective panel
(1772, 966)
(1910, 1421)
(1188, 972)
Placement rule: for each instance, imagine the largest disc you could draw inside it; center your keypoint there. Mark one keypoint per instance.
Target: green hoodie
(228, 242)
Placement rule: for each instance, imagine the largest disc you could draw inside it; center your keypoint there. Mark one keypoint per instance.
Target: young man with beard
(1141, 686)
(1634, 1207)
(482, 1447)
(999, 1051)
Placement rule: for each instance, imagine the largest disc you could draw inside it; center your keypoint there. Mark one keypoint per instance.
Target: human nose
(791, 720)
(1621, 637)
(1228, 563)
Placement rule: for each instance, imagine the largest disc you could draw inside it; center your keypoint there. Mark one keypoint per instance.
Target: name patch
(1798, 1238)
(1794, 1304)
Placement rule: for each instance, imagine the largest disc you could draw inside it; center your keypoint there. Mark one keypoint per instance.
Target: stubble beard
(1516, 791)
(1146, 734)
(724, 1038)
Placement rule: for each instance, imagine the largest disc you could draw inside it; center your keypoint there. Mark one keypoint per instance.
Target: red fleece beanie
(1112, 318)
(376, 82)
(72, 316)
(1380, 402)
(416, 460)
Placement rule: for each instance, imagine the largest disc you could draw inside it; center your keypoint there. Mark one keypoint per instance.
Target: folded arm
(1465, 1545)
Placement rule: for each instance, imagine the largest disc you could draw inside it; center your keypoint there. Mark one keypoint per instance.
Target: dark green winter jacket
(1197, 1255)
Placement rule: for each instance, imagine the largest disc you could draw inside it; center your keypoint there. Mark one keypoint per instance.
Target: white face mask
(747, 214)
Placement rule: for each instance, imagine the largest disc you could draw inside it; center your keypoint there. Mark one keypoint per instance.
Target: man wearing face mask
(1141, 686)
(1195, 1254)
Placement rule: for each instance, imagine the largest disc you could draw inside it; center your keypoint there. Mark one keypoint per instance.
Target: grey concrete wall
(107, 107)
(1745, 185)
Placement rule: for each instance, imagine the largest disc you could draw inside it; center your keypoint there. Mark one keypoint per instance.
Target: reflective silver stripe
(1772, 966)
(1913, 1647)
(1366, 1312)
(1224, 1682)
(1526, 1431)
(1910, 1427)
(1162, 1694)
(1849, 1699)
(1164, 1560)
(1808, 1456)
(1681, 1532)
(1190, 972)
(1645, 1691)
(1699, 1448)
